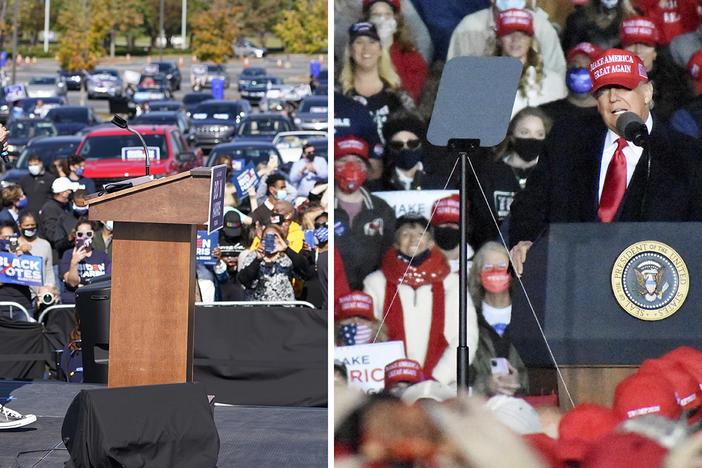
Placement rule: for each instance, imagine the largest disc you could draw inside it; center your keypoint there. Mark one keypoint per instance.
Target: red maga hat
(355, 304)
(581, 427)
(625, 450)
(585, 48)
(617, 67)
(638, 30)
(403, 370)
(350, 145)
(512, 20)
(641, 394)
(446, 210)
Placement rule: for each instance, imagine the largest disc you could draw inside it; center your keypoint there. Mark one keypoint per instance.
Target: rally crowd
(562, 160)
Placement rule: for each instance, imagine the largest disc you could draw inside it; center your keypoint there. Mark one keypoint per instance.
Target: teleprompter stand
(472, 108)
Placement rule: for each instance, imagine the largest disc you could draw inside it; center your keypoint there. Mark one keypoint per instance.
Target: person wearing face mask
(579, 103)
(13, 201)
(538, 83)
(103, 237)
(354, 323)
(276, 189)
(596, 22)
(642, 36)
(30, 243)
(475, 34)
(415, 295)
(489, 283)
(37, 184)
(360, 219)
(76, 165)
(672, 18)
(9, 292)
(307, 171)
(51, 211)
(445, 219)
(504, 174)
(66, 222)
(83, 263)
(395, 36)
(404, 170)
(321, 238)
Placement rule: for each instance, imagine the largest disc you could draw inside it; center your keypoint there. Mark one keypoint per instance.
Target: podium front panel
(568, 278)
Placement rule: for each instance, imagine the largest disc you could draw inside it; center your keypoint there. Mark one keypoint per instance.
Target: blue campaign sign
(25, 269)
(215, 220)
(3, 59)
(206, 243)
(246, 179)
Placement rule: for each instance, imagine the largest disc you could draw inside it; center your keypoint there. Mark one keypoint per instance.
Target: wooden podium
(153, 276)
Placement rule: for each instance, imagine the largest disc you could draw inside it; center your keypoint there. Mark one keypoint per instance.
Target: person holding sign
(83, 262)
(12, 292)
(31, 243)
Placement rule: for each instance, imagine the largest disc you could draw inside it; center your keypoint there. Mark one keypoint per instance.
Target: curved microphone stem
(146, 150)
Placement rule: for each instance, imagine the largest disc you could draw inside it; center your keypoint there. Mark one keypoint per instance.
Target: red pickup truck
(113, 154)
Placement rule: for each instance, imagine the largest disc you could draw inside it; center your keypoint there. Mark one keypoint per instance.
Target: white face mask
(386, 28)
(34, 169)
(609, 4)
(503, 5)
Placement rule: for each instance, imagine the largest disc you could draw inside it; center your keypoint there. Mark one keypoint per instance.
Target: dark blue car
(191, 101)
(48, 149)
(256, 88)
(215, 121)
(23, 130)
(262, 127)
(69, 120)
(243, 153)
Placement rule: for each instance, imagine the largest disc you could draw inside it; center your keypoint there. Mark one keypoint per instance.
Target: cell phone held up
(309, 237)
(269, 243)
(83, 241)
(499, 366)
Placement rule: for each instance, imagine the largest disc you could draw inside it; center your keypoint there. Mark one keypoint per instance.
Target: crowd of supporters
(397, 239)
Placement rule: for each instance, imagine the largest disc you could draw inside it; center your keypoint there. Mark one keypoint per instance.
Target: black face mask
(417, 260)
(447, 238)
(528, 148)
(407, 159)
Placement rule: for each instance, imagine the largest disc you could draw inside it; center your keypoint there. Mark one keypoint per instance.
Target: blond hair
(386, 71)
(475, 285)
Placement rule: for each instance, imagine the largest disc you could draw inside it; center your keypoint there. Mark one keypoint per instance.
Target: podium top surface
(178, 199)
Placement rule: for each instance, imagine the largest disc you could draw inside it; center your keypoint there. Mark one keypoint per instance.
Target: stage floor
(259, 436)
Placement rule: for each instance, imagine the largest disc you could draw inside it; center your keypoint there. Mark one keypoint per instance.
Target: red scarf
(431, 272)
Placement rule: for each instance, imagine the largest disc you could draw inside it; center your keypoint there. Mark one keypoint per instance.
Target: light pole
(14, 42)
(183, 22)
(47, 12)
(160, 33)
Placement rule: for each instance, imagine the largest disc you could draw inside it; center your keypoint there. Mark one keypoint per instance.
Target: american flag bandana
(355, 333)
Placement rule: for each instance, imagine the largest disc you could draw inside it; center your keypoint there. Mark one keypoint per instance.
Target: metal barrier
(21, 308)
(54, 307)
(257, 303)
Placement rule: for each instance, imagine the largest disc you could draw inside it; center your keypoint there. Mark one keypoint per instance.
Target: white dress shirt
(631, 152)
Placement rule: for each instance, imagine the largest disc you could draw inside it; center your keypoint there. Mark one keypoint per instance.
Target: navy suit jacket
(563, 187)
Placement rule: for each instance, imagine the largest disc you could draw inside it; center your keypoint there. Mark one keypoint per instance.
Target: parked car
(42, 86)
(104, 82)
(23, 130)
(312, 114)
(172, 118)
(30, 109)
(245, 48)
(249, 74)
(165, 106)
(74, 80)
(156, 85)
(113, 154)
(191, 100)
(262, 127)
(70, 119)
(289, 144)
(171, 71)
(241, 153)
(256, 88)
(203, 74)
(48, 149)
(4, 107)
(215, 121)
(321, 83)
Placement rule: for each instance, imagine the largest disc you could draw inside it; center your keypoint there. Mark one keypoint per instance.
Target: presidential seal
(650, 280)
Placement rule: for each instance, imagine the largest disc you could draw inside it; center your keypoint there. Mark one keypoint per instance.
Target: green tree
(85, 25)
(215, 29)
(171, 18)
(304, 28)
(260, 16)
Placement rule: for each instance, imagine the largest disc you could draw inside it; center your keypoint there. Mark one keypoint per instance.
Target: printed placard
(366, 363)
(418, 202)
(206, 243)
(25, 269)
(246, 179)
(215, 219)
(136, 153)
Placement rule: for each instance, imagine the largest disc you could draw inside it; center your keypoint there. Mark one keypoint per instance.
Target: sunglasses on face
(397, 145)
(86, 234)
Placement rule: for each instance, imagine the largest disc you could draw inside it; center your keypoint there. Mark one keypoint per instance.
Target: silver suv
(245, 48)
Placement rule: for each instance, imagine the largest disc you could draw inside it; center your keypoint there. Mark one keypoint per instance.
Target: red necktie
(615, 184)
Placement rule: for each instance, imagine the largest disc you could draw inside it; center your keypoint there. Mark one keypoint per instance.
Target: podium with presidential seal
(607, 296)
(153, 272)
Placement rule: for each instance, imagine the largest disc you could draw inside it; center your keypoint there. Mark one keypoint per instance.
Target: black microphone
(632, 128)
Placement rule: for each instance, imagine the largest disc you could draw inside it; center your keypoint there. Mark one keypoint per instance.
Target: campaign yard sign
(246, 179)
(215, 220)
(366, 363)
(25, 269)
(206, 243)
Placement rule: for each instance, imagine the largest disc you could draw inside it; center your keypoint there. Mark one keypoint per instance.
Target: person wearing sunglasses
(404, 153)
(82, 263)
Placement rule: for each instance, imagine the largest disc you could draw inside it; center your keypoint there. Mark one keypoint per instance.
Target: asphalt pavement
(290, 68)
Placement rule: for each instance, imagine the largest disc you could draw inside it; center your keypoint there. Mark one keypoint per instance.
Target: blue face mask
(79, 171)
(79, 211)
(22, 203)
(578, 80)
(322, 235)
(281, 195)
(503, 5)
